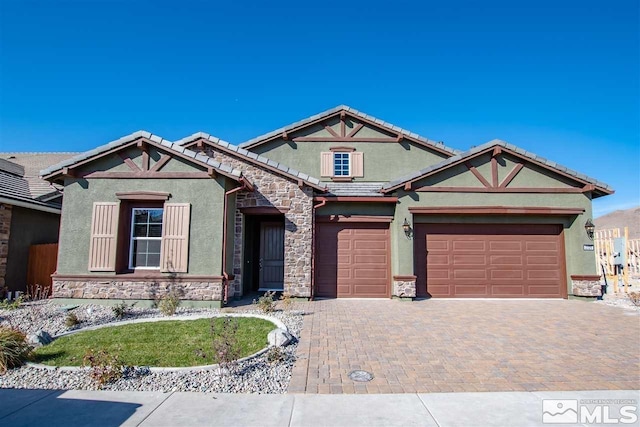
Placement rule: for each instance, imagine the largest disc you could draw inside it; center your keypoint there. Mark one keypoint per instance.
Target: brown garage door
(352, 260)
(489, 260)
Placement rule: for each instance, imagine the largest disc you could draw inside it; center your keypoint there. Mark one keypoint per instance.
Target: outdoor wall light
(590, 228)
(408, 231)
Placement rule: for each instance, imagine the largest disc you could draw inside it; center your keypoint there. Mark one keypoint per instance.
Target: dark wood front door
(490, 260)
(271, 262)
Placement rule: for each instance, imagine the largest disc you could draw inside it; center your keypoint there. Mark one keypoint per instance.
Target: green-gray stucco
(383, 161)
(206, 197)
(28, 227)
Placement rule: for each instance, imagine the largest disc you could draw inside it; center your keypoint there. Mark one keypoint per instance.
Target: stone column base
(404, 286)
(586, 286)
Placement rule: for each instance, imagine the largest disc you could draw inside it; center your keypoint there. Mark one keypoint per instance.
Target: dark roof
(358, 189)
(32, 163)
(15, 188)
(439, 146)
(253, 158)
(396, 183)
(168, 145)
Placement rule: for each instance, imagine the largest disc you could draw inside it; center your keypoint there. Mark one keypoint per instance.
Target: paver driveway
(466, 345)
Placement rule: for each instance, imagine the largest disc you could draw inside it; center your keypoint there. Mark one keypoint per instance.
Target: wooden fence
(604, 251)
(42, 264)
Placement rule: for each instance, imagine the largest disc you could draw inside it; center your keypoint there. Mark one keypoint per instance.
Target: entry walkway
(104, 408)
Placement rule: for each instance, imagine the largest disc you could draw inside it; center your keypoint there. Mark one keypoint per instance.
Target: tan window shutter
(175, 238)
(104, 229)
(357, 164)
(326, 164)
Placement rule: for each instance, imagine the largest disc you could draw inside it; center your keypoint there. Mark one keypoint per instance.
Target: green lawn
(167, 343)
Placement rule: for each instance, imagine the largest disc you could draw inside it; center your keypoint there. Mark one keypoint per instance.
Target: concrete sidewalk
(107, 408)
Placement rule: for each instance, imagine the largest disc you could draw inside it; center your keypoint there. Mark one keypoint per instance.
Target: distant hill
(620, 219)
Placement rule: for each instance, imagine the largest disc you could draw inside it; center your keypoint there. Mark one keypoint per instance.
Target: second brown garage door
(352, 260)
(489, 260)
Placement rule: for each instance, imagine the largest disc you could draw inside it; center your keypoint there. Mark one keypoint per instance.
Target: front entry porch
(263, 253)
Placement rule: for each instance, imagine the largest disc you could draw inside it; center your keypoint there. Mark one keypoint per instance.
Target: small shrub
(635, 298)
(265, 302)
(121, 310)
(38, 292)
(275, 355)
(105, 367)
(286, 300)
(14, 348)
(12, 305)
(71, 320)
(226, 348)
(169, 303)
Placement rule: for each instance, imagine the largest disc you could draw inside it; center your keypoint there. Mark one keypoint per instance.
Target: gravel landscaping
(256, 375)
(620, 300)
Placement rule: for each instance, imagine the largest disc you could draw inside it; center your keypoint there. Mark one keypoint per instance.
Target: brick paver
(450, 346)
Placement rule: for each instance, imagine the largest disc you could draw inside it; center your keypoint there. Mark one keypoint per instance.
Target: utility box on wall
(619, 251)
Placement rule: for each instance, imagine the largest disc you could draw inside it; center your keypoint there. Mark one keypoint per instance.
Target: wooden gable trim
(146, 175)
(517, 168)
(550, 190)
(253, 162)
(136, 172)
(351, 136)
(495, 210)
(466, 162)
(477, 174)
(143, 195)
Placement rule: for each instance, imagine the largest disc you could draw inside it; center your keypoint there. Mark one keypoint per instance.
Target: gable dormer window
(342, 163)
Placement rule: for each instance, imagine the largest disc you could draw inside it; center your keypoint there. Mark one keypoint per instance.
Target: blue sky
(558, 78)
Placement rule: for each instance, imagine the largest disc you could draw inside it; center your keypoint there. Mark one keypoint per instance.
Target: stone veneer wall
(137, 289)
(5, 229)
(404, 286)
(586, 286)
(275, 191)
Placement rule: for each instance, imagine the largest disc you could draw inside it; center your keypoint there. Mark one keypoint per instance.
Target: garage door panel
(439, 246)
(542, 246)
(362, 268)
(469, 260)
(489, 260)
(513, 260)
(508, 246)
(542, 260)
(513, 290)
(506, 274)
(470, 290)
(439, 259)
(468, 245)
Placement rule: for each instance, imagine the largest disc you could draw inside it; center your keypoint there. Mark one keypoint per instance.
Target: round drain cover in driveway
(361, 376)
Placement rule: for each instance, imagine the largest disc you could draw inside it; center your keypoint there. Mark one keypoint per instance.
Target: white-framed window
(146, 238)
(341, 164)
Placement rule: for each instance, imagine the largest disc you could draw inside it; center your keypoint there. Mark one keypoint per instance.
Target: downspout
(225, 275)
(313, 245)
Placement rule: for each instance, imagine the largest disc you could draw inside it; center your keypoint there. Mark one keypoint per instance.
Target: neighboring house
(29, 213)
(390, 214)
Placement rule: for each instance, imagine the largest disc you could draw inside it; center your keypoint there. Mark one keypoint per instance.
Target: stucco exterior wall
(28, 227)
(397, 158)
(206, 197)
(5, 229)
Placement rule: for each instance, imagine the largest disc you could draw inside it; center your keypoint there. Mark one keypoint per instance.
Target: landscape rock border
(279, 324)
